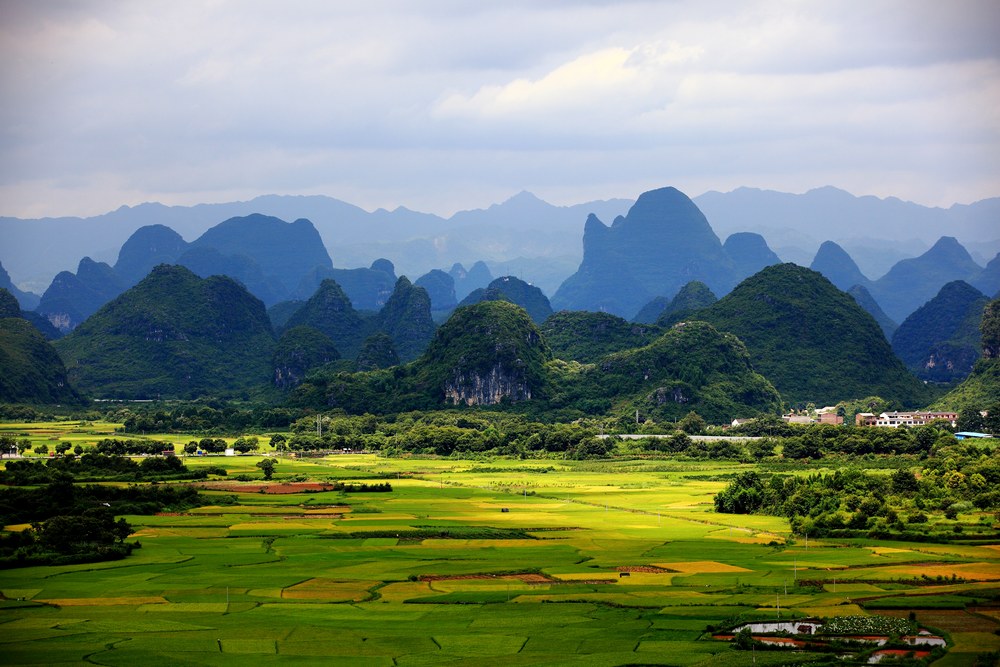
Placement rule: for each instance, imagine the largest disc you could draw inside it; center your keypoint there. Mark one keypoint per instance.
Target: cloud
(435, 103)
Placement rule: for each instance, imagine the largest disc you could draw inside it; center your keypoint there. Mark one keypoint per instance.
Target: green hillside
(690, 367)
(981, 390)
(814, 342)
(940, 340)
(576, 335)
(299, 350)
(406, 318)
(173, 335)
(693, 297)
(330, 311)
(30, 369)
(491, 353)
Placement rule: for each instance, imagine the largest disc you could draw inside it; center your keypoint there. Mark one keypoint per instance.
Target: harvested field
(700, 567)
(104, 602)
(949, 620)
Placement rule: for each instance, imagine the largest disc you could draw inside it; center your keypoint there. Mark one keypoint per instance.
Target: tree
(744, 495)
(267, 465)
(41, 449)
(191, 447)
(245, 444)
(279, 442)
(904, 482)
(8, 444)
(971, 419)
(692, 423)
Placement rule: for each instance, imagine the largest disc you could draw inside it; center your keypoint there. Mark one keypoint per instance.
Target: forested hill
(173, 335)
(814, 342)
(491, 353)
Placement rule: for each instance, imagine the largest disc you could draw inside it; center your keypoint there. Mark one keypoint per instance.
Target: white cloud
(445, 101)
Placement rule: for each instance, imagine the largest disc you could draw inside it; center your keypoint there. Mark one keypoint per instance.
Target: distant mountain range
(877, 232)
(632, 268)
(523, 236)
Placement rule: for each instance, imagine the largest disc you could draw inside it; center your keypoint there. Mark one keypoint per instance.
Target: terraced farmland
(535, 562)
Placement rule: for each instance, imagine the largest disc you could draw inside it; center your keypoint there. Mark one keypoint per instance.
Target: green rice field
(470, 562)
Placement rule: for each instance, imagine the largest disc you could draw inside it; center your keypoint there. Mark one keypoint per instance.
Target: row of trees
(94, 466)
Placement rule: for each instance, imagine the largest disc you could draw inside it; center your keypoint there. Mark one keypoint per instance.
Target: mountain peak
(837, 266)
(949, 247)
(524, 197)
(662, 243)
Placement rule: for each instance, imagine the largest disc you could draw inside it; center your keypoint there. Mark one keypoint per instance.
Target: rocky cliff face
(488, 388)
(486, 353)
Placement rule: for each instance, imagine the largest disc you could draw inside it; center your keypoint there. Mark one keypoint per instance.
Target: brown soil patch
(104, 602)
(291, 487)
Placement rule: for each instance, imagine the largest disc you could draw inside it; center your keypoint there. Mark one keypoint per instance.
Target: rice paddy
(535, 562)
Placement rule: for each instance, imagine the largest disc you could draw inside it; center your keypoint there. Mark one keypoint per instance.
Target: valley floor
(463, 562)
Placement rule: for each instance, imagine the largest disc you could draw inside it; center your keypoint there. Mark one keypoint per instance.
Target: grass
(261, 580)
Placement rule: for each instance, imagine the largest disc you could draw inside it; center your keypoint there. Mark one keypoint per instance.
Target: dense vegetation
(491, 353)
(75, 523)
(406, 318)
(940, 341)
(99, 466)
(30, 369)
(690, 367)
(586, 337)
(330, 311)
(693, 297)
(953, 477)
(981, 389)
(173, 335)
(812, 340)
(299, 350)
(863, 297)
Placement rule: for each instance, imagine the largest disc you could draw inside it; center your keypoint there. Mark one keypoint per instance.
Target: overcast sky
(448, 104)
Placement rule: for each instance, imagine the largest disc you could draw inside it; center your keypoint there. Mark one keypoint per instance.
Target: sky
(444, 105)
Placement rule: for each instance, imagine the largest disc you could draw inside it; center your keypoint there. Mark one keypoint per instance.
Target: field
(463, 562)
